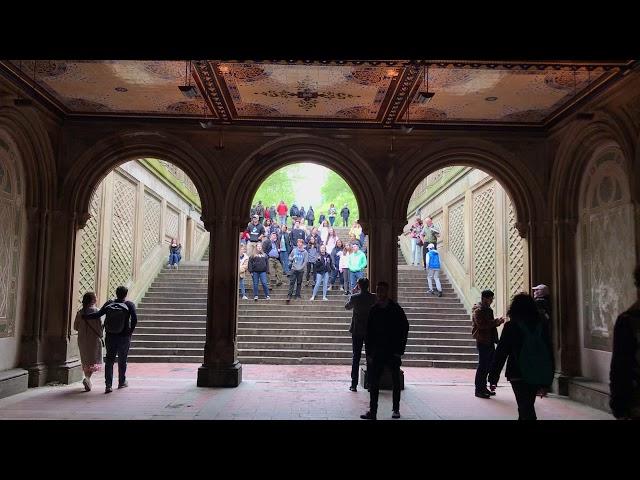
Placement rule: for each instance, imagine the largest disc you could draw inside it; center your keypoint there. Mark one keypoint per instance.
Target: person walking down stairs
(433, 272)
(323, 268)
(259, 268)
(298, 259)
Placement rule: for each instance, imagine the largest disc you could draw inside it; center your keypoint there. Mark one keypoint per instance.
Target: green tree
(278, 186)
(335, 190)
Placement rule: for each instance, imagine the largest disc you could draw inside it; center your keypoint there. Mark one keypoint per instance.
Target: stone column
(563, 296)
(61, 354)
(221, 367)
(35, 305)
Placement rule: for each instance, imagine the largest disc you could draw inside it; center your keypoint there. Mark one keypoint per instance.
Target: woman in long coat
(89, 339)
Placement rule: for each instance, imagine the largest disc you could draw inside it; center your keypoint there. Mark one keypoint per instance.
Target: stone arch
(523, 189)
(298, 148)
(117, 149)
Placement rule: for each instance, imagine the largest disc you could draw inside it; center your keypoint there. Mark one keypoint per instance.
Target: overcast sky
(307, 185)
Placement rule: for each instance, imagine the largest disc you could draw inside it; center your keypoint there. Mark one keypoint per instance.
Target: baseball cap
(543, 287)
(431, 246)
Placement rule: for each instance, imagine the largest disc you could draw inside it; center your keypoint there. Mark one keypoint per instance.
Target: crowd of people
(313, 255)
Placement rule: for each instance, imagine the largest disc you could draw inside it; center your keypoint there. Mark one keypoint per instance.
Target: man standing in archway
(485, 332)
(361, 304)
(256, 233)
(385, 342)
(282, 212)
(429, 235)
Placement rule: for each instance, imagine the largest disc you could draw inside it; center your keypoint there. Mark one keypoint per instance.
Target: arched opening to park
(469, 220)
(145, 232)
(304, 218)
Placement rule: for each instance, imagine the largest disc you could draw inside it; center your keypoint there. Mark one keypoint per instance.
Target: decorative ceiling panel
(319, 92)
(339, 93)
(481, 95)
(117, 87)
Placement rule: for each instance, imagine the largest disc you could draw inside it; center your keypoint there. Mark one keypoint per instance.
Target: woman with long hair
(89, 339)
(335, 256)
(259, 268)
(323, 230)
(344, 267)
(525, 344)
(267, 227)
(331, 240)
(242, 270)
(175, 253)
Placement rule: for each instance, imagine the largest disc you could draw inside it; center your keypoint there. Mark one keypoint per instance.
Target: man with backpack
(526, 342)
(485, 332)
(344, 213)
(433, 272)
(119, 324)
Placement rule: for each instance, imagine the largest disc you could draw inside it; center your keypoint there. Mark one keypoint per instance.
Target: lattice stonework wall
(171, 228)
(151, 233)
(10, 233)
(89, 246)
(456, 231)
(122, 232)
(484, 239)
(517, 261)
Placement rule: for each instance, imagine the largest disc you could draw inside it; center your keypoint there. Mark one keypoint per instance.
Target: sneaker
(482, 395)
(245, 298)
(87, 384)
(490, 392)
(439, 293)
(123, 385)
(288, 300)
(268, 297)
(368, 416)
(325, 299)
(312, 298)
(353, 388)
(107, 390)
(395, 414)
(255, 298)
(430, 292)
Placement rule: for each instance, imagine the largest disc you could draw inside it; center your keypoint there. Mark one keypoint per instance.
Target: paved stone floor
(278, 392)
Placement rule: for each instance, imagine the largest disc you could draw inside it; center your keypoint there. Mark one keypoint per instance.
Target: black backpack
(117, 319)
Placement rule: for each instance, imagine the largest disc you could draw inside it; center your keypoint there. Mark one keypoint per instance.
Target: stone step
(179, 289)
(304, 337)
(170, 332)
(148, 310)
(285, 332)
(321, 346)
(171, 324)
(176, 298)
(440, 326)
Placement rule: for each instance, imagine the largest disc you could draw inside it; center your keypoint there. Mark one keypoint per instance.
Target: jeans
(485, 352)
(324, 278)
(116, 345)
(336, 275)
(295, 278)
(311, 270)
(174, 259)
(310, 223)
(345, 221)
(354, 278)
(283, 219)
(525, 397)
(243, 290)
(331, 220)
(415, 251)
(357, 342)
(284, 259)
(262, 276)
(434, 274)
(347, 278)
(375, 368)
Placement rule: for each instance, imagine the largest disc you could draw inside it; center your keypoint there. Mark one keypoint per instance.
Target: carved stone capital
(82, 219)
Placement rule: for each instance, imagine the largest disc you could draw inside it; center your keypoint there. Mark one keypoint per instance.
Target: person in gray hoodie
(314, 253)
(298, 259)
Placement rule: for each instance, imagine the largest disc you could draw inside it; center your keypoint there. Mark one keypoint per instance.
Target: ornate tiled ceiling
(339, 93)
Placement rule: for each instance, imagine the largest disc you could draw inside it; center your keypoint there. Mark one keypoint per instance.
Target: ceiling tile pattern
(338, 93)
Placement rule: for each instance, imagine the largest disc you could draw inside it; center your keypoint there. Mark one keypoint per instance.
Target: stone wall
(479, 246)
(134, 215)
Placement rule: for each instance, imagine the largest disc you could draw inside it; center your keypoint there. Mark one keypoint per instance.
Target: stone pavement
(278, 392)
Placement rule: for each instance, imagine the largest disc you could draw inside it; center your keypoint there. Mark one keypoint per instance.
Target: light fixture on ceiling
(188, 90)
(491, 99)
(392, 73)
(207, 123)
(425, 96)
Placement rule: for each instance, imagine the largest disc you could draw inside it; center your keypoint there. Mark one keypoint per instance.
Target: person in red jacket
(282, 210)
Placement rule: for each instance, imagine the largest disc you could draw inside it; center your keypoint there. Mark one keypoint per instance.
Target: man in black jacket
(117, 343)
(625, 362)
(361, 304)
(385, 342)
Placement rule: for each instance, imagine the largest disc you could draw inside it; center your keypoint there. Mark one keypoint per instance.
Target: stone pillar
(35, 306)
(501, 232)
(61, 354)
(221, 367)
(564, 315)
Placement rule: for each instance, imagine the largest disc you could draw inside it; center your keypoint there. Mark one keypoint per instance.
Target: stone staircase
(172, 323)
